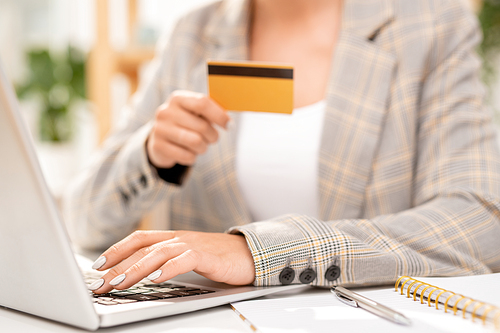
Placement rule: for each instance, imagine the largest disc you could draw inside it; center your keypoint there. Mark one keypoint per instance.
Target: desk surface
(219, 319)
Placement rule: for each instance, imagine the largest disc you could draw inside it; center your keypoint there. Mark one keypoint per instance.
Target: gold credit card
(251, 86)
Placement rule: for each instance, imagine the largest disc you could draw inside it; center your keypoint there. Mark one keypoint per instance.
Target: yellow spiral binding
(429, 300)
(447, 300)
(496, 320)
(406, 280)
(423, 293)
(476, 307)
(409, 288)
(416, 289)
(403, 285)
(437, 298)
(399, 280)
(469, 302)
(455, 306)
(485, 313)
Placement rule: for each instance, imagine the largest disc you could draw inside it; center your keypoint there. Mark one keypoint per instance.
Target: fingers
(139, 265)
(169, 154)
(200, 105)
(220, 257)
(116, 273)
(131, 244)
(183, 129)
(185, 262)
(197, 124)
(184, 138)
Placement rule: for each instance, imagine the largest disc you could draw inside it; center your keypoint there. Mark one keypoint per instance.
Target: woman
(400, 174)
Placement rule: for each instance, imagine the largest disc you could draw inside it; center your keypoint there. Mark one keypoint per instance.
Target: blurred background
(75, 64)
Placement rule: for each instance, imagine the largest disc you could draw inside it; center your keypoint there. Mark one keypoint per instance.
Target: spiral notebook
(320, 311)
(449, 300)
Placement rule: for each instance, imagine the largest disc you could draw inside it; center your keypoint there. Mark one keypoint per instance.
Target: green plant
(489, 49)
(57, 81)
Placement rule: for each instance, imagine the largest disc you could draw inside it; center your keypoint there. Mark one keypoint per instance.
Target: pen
(356, 300)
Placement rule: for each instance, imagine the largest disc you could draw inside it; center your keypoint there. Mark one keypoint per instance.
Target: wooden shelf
(133, 57)
(105, 62)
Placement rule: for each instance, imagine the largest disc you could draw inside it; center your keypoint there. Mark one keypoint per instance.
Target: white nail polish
(99, 262)
(117, 280)
(154, 275)
(96, 284)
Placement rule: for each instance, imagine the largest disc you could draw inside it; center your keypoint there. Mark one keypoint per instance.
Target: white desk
(221, 319)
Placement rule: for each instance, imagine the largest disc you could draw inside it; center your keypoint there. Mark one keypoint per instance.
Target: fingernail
(96, 284)
(117, 280)
(154, 275)
(99, 262)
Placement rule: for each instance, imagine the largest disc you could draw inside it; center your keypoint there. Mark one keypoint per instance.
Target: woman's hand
(183, 129)
(166, 254)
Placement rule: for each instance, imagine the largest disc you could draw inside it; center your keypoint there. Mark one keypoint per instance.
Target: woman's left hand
(219, 257)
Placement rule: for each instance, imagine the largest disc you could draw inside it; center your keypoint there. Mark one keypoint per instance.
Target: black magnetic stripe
(281, 73)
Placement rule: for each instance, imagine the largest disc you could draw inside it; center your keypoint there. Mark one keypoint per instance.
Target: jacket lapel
(357, 100)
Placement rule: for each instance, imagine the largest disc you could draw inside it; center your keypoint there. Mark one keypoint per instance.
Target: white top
(277, 161)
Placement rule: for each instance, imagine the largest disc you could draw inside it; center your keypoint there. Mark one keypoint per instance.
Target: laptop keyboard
(142, 291)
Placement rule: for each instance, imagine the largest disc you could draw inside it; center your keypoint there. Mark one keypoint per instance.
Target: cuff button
(133, 190)
(332, 273)
(143, 180)
(287, 275)
(307, 276)
(125, 197)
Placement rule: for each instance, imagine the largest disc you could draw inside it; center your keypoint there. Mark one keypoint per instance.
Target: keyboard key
(125, 301)
(206, 291)
(122, 293)
(105, 298)
(141, 297)
(99, 301)
(164, 285)
(139, 289)
(181, 293)
(162, 295)
(163, 290)
(187, 289)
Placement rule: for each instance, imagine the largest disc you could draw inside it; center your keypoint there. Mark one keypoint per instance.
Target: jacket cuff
(174, 175)
(296, 241)
(142, 180)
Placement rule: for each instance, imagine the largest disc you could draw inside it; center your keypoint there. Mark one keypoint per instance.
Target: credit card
(251, 86)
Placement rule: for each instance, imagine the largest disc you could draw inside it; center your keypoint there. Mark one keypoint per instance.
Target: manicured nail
(117, 280)
(99, 262)
(96, 284)
(154, 275)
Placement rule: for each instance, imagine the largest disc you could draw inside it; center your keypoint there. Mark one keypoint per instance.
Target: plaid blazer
(409, 169)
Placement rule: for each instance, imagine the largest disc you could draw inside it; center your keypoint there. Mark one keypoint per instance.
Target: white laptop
(38, 271)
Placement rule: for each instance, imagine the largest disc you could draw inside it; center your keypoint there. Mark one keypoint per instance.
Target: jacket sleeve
(453, 228)
(109, 197)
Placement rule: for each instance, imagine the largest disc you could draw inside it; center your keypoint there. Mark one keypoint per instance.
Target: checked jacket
(409, 168)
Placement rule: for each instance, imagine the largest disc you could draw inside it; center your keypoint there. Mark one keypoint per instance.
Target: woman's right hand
(183, 129)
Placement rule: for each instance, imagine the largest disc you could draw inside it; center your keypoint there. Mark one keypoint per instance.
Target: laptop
(38, 269)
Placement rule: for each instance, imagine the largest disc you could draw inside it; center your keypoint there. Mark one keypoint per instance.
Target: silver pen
(356, 300)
